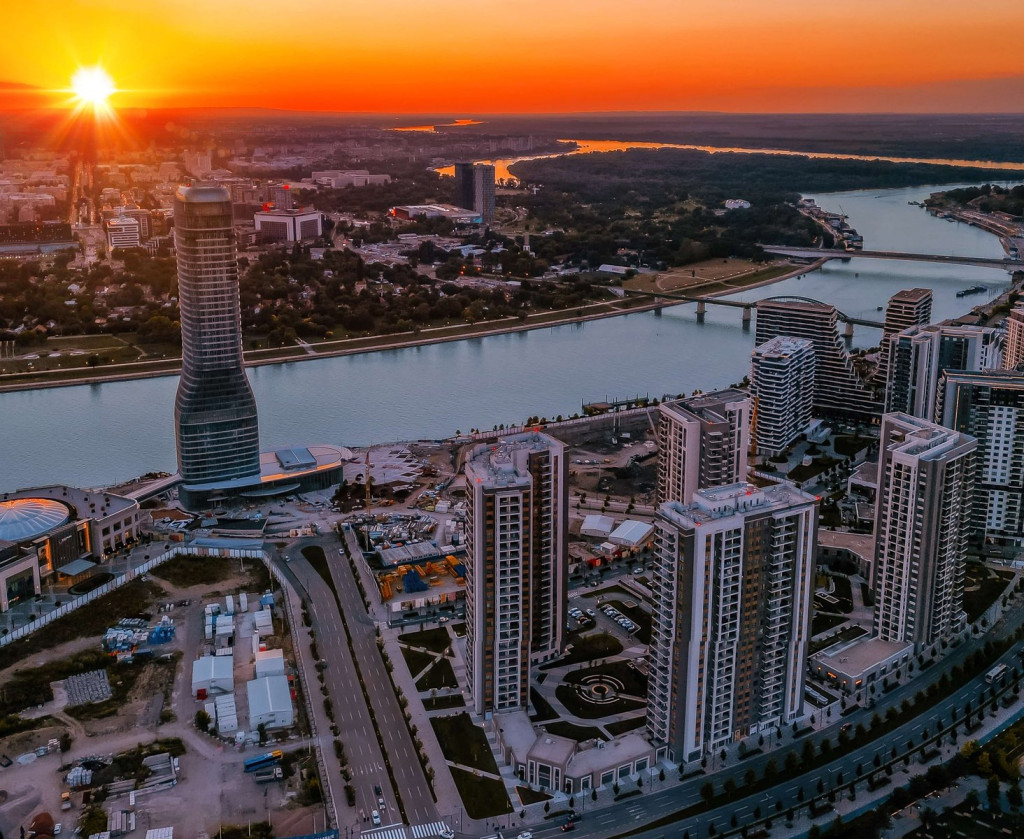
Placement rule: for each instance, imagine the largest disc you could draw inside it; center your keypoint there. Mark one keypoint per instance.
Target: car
(638, 569)
(446, 833)
(568, 826)
(526, 834)
(375, 817)
(594, 584)
(574, 816)
(591, 612)
(846, 726)
(377, 790)
(443, 620)
(381, 803)
(57, 829)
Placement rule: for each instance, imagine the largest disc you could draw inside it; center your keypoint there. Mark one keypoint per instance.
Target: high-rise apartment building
(123, 232)
(922, 520)
(918, 357)
(910, 307)
(731, 620)
(474, 189)
(782, 385)
(989, 406)
(214, 410)
(702, 442)
(516, 571)
(1013, 354)
(837, 388)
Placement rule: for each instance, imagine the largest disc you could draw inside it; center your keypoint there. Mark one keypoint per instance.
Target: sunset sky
(487, 56)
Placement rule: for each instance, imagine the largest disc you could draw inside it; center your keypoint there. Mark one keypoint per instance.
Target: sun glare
(93, 86)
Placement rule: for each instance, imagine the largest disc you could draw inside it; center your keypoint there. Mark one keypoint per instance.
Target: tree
(992, 792)
(202, 720)
(707, 792)
(1014, 796)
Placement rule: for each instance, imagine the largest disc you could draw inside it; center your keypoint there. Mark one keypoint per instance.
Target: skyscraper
(731, 619)
(782, 384)
(922, 520)
(989, 406)
(910, 307)
(919, 355)
(1013, 356)
(702, 443)
(217, 432)
(837, 388)
(474, 189)
(516, 571)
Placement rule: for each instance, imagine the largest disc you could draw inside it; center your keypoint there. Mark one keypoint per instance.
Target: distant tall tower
(464, 191)
(516, 570)
(910, 307)
(217, 431)
(483, 191)
(703, 442)
(922, 521)
(732, 610)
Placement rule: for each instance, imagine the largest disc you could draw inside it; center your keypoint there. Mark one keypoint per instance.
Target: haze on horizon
(455, 56)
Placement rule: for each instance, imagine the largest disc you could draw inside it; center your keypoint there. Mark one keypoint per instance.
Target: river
(502, 164)
(92, 435)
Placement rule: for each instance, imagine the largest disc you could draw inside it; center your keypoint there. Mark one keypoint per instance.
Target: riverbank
(434, 335)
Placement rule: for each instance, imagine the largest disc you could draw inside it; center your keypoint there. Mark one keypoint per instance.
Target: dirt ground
(212, 788)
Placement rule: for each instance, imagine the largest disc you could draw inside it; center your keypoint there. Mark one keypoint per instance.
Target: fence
(117, 582)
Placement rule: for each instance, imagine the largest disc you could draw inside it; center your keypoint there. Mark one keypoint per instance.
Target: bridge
(748, 307)
(817, 253)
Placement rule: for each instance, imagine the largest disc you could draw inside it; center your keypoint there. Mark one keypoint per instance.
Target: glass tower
(217, 431)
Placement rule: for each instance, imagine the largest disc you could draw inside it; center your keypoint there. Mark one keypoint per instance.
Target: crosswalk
(400, 831)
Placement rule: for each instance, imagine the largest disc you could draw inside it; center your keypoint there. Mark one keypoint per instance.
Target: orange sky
(485, 56)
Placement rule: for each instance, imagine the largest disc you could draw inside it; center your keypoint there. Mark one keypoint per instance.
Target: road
(813, 253)
(351, 714)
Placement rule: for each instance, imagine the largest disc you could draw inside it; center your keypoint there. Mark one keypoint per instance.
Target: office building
(922, 520)
(989, 406)
(1013, 354)
(516, 567)
(702, 442)
(907, 308)
(838, 390)
(214, 410)
(123, 232)
(782, 386)
(731, 620)
(279, 225)
(918, 357)
(474, 189)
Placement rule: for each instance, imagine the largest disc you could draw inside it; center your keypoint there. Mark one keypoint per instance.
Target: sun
(93, 86)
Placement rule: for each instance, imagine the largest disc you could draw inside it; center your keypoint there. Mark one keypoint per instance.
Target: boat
(974, 289)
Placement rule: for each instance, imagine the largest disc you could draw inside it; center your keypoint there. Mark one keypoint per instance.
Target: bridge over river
(817, 253)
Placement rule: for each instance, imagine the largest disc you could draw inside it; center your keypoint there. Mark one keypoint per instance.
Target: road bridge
(748, 306)
(949, 259)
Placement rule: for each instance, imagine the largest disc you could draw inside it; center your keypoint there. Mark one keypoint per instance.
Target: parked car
(375, 817)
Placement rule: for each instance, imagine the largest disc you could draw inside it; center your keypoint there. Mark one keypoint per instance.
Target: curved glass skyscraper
(216, 427)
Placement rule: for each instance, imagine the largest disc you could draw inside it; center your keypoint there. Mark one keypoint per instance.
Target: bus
(254, 764)
(995, 674)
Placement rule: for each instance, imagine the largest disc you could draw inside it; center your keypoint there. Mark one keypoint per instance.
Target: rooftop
(733, 499)
(22, 519)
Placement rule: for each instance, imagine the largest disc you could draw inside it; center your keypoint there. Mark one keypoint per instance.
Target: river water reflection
(92, 435)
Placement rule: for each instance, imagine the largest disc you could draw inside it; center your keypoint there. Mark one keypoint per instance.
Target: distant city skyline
(789, 56)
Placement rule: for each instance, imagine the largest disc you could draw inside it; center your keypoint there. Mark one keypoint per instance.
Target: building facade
(1013, 356)
(286, 225)
(516, 569)
(907, 308)
(123, 232)
(217, 430)
(922, 520)
(702, 442)
(474, 189)
(782, 385)
(989, 406)
(838, 390)
(731, 619)
(918, 357)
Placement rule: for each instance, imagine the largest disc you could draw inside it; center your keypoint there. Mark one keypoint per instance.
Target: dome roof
(26, 518)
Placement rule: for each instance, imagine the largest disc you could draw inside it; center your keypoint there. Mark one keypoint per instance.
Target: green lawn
(441, 675)
(463, 742)
(982, 586)
(532, 796)
(436, 640)
(542, 708)
(444, 703)
(622, 726)
(822, 622)
(186, 571)
(588, 648)
(579, 733)
(843, 593)
(577, 706)
(482, 797)
(633, 682)
(417, 660)
(847, 634)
